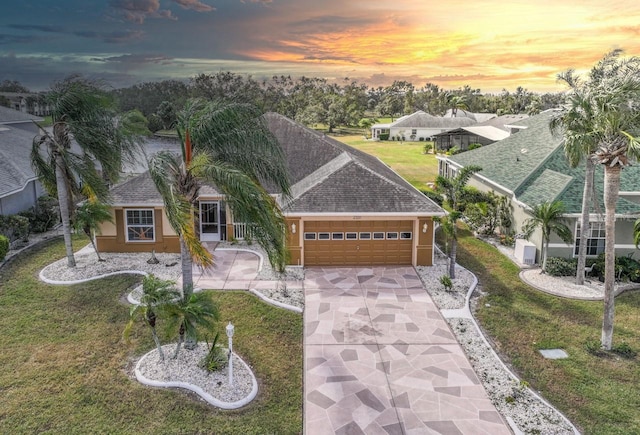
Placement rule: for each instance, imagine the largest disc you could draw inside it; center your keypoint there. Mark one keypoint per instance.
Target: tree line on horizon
(313, 100)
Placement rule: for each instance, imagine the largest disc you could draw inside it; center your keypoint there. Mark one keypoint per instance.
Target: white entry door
(210, 221)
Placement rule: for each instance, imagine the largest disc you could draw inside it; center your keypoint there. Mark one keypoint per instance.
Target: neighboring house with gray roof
(483, 133)
(346, 208)
(19, 186)
(530, 167)
(16, 119)
(421, 126)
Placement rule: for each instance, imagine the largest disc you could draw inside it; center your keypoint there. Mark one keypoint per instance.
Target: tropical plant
(82, 114)
(187, 314)
(454, 190)
(614, 99)
(88, 217)
(446, 283)
(4, 247)
(156, 295)
(636, 232)
(233, 150)
(216, 358)
(547, 217)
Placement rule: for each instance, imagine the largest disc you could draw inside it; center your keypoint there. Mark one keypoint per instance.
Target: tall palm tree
(454, 190)
(82, 112)
(575, 122)
(233, 150)
(615, 98)
(156, 295)
(548, 217)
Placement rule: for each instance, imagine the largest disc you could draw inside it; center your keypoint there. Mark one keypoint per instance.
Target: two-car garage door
(357, 243)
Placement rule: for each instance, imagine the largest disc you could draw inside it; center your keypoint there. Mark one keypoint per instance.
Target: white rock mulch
(184, 372)
(430, 277)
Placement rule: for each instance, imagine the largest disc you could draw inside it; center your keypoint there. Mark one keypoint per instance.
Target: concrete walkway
(380, 359)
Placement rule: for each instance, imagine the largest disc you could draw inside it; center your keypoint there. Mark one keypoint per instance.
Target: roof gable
(15, 160)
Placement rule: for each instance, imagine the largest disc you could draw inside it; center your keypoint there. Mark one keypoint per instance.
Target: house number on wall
(357, 217)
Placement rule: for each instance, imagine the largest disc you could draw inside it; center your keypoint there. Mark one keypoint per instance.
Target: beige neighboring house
(529, 167)
(421, 126)
(347, 208)
(483, 133)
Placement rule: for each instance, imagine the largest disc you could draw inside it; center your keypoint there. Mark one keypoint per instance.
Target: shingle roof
(422, 119)
(326, 175)
(531, 163)
(15, 161)
(10, 116)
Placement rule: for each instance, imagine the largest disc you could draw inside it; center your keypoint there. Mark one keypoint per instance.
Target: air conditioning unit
(525, 252)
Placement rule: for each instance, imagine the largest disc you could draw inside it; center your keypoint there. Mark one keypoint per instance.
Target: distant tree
(547, 216)
(167, 114)
(13, 86)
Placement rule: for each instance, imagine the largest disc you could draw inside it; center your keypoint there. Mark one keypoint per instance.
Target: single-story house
(347, 208)
(19, 185)
(421, 126)
(483, 133)
(28, 102)
(530, 167)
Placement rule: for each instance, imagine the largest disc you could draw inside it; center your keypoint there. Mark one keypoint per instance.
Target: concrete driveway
(380, 359)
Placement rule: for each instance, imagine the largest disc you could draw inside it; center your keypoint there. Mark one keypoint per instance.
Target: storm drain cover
(554, 353)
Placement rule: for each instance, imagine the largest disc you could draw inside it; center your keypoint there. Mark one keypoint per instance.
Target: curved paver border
(199, 391)
(274, 302)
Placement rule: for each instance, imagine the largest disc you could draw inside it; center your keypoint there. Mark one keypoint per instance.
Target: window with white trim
(392, 236)
(365, 236)
(378, 236)
(323, 236)
(140, 225)
(337, 236)
(595, 239)
(309, 236)
(406, 235)
(351, 236)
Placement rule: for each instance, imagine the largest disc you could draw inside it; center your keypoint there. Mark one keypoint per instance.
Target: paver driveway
(380, 359)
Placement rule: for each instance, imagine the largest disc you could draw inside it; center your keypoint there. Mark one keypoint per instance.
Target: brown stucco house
(347, 208)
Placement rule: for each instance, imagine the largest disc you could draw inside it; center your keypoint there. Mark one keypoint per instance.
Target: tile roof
(531, 163)
(15, 160)
(326, 175)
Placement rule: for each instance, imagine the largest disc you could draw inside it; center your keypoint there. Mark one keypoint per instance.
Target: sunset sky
(487, 44)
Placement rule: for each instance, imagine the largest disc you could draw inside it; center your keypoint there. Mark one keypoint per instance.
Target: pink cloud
(194, 5)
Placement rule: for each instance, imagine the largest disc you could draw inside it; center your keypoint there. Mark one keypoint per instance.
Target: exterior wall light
(293, 228)
(425, 227)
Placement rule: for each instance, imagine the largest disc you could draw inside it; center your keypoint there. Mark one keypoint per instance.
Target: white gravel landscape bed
(184, 369)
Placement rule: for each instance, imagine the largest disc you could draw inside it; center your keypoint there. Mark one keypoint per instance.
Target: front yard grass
(66, 369)
(598, 393)
(406, 158)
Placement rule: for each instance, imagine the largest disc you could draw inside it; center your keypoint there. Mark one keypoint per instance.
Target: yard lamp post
(230, 331)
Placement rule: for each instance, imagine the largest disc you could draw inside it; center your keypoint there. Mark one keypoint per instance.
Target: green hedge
(557, 266)
(4, 247)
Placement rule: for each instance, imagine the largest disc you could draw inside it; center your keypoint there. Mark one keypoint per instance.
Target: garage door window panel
(324, 236)
(378, 236)
(392, 236)
(337, 236)
(365, 236)
(309, 236)
(351, 236)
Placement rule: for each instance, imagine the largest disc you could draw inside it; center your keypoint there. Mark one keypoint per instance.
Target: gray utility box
(525, 252)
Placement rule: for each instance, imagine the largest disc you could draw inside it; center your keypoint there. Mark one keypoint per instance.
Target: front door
(210, 221)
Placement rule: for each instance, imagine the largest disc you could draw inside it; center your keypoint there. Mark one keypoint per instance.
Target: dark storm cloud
(18, 39)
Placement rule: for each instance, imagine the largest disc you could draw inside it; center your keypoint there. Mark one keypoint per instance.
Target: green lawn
(406, 158)
(600, 394)
(66, 369)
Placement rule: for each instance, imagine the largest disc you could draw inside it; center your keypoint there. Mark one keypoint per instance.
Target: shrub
(384, 136)
(624, 350)
(446, 282)
(4, 247)
(454, 150)
(216, 359)
(433, 196)
(14, 227)
(508, 240)
(427, 147)
(43, 217)
(627, 268)
(557, 266)
(473, 146)
(421, 139)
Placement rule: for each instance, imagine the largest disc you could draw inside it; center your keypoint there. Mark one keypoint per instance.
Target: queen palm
(454, 190)
(233, 150)
(615, 99)
(547, 216)
(83, 113)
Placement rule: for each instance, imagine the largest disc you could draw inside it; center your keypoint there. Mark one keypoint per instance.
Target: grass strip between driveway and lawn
(599, 393)
(66, 368)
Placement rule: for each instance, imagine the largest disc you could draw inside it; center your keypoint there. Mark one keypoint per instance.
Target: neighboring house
(16, 119)
(421, 126)
(27, 102)
(483, 133)
(19, 186)
(347, 208)
(530, 167)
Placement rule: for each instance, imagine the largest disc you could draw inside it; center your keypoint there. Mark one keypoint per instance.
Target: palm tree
(548, 217)
(636, 233)
(454, 191)
(187, 313)
(82, 113)
(457, 102)
(88, 217)
(157, 294)
(233, 150)
(615, 99)
(575, 122)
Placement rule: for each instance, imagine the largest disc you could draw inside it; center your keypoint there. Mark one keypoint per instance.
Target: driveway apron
(380, 359)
